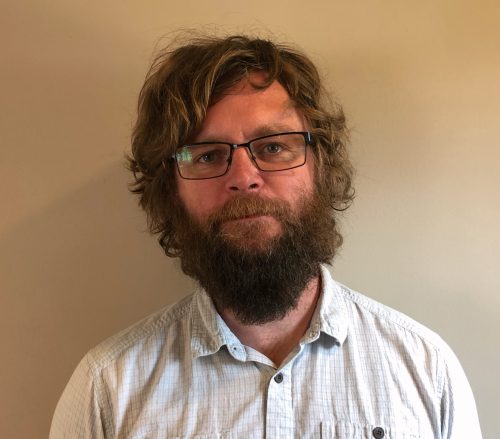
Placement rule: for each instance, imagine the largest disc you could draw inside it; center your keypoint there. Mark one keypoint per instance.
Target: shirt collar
(210, 332)
(330, 316)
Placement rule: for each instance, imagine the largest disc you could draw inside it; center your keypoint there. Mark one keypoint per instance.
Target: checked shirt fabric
(362, 370)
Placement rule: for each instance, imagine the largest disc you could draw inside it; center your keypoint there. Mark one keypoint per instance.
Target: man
(241, 166)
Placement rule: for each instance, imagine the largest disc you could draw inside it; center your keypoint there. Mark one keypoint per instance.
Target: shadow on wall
(72, 275)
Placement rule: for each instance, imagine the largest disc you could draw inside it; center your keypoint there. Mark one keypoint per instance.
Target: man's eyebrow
(274, 128)
(260, 131)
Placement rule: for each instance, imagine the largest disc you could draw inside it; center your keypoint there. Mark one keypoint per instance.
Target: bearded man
(241, 165)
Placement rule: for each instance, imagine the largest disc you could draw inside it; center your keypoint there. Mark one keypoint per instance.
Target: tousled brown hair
(184, 81)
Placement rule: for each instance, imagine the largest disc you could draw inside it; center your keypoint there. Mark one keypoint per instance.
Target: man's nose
(243, 174)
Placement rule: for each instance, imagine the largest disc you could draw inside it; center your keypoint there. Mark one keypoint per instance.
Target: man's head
(241, 206)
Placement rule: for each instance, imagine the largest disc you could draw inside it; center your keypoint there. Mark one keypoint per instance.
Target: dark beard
(260, 280)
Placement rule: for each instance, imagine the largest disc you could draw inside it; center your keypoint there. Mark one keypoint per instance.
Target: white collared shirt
(362, 370)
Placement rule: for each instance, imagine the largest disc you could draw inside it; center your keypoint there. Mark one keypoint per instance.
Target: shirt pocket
(165, 435)
(223, 435)
(348, 430)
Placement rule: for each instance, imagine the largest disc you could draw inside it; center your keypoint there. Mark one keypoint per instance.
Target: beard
(244, 268)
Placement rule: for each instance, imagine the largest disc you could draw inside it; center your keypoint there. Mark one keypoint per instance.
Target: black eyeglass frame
(308, 141)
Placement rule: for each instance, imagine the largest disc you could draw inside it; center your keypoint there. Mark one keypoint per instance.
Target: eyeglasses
(276, 152)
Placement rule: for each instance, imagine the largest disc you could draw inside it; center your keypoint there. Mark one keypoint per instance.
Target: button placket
(279, 414)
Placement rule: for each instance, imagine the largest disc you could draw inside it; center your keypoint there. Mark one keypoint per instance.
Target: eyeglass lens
(271, 153)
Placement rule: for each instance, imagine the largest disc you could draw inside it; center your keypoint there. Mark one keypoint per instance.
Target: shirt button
(279, 378)
(378, 433)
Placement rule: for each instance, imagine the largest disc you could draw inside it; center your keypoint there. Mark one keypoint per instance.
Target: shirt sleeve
(459, 414)
(79, 414)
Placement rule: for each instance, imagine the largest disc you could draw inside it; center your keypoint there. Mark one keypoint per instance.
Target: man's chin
(255, 232)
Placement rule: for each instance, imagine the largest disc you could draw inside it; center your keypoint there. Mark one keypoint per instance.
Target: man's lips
(252, 227)
(250, 217)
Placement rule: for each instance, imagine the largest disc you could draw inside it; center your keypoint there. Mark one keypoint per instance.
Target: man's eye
(272, 148)
(209, 157)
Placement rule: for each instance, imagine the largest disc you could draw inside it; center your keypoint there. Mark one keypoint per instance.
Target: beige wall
(420, 84)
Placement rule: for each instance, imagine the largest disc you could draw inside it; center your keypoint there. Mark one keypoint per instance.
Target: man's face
(254, 239)
(245, 113)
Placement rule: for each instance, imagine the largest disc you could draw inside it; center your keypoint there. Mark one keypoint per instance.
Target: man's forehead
(269, 110)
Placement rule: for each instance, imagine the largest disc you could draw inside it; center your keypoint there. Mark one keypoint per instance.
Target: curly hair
(184, 81)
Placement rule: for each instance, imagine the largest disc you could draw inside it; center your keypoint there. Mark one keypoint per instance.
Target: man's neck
(278, 338)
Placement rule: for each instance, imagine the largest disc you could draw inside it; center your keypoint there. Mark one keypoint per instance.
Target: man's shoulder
(375, 331)
(365, 313)
(149, 336)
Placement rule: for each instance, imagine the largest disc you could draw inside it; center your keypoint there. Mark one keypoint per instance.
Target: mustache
(245, 206)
